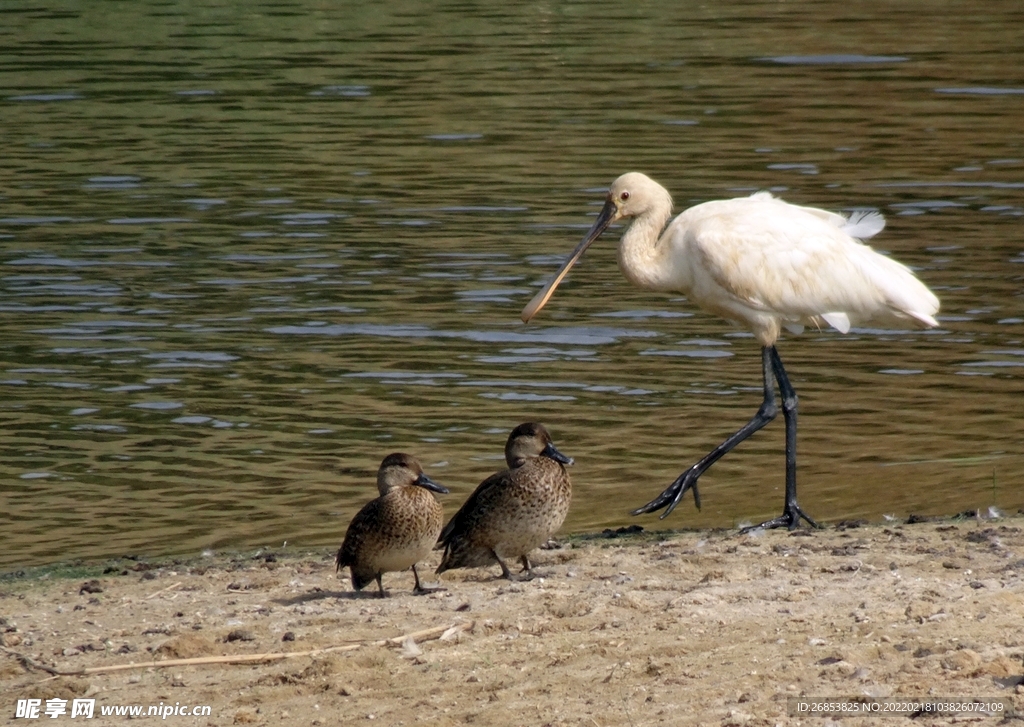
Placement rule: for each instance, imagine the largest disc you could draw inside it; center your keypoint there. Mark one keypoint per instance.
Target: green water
(249, 249)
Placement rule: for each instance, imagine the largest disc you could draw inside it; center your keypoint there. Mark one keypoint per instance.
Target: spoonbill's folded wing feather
(795, 264)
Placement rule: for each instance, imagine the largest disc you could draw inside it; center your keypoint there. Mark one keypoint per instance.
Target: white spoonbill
(766, 265)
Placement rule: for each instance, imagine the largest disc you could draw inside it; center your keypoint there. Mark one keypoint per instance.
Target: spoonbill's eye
(624, 196)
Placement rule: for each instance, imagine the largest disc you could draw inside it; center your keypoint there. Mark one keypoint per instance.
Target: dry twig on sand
(437, 632)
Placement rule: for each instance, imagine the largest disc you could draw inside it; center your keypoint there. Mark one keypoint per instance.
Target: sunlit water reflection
(244, 258)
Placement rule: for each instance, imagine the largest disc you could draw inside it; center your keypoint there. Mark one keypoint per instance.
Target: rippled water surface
(248, 249)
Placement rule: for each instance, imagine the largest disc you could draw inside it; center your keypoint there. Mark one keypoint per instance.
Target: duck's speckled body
(514, 511)
(396, 530)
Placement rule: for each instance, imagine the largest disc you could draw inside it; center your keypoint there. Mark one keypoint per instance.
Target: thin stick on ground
(163, 590)
(424, 635)
(29, 663)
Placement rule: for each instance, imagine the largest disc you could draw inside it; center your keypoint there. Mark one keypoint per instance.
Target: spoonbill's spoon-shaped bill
(609, 214)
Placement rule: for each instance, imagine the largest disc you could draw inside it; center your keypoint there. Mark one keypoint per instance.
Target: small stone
(962, 660)
(410, 650)
(240, 635)
(245, 716)
(736, 718)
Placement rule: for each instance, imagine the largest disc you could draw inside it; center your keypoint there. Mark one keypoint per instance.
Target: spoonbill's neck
(640, 255)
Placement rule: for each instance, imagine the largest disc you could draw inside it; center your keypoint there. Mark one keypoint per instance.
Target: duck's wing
(357, 532)
(474, 505)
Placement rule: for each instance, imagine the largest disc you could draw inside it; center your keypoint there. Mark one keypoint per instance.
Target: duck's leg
(526, 574)
(791, 512)
(768, 411)
(418, 589)
(505, 572)
(380, 587)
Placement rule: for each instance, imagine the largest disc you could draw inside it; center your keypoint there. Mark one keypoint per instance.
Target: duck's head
(403, 470)
(528, 441)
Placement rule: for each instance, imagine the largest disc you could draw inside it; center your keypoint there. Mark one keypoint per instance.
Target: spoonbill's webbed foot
(789, 519)
(673, 494)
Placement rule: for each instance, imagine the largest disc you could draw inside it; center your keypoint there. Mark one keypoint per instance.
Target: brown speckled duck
(397, 529)
(514, 511)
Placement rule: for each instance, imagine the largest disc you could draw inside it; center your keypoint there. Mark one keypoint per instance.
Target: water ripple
(574, 336)
(833, 59)
(982, 91)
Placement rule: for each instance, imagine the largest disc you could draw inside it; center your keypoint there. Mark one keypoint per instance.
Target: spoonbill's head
(631, 195)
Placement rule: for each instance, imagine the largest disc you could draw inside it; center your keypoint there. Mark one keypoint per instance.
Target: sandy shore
(687, 628)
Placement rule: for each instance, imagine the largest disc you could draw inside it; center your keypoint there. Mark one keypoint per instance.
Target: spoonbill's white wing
(797, 264)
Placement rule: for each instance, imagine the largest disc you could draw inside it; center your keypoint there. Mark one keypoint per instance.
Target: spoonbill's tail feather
(864, 224)
(925, 319)
(905, 295)
(839, 321)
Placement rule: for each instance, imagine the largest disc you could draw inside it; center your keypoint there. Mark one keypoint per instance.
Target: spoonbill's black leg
(772, 371)
(688, 480)
(791, 512)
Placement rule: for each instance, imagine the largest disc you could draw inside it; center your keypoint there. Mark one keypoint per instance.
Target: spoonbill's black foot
(789, 519)
(673, 494)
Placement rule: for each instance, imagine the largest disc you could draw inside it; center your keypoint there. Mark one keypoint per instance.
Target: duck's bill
(428, 484)
(608, 215)
(552, 453)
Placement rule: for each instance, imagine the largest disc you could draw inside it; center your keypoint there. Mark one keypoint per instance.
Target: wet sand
(675, 628)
